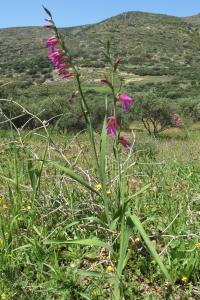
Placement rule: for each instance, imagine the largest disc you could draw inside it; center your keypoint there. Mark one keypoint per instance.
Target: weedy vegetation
(99, 199)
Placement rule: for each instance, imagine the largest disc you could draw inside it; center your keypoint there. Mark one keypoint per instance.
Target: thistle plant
(116, 218)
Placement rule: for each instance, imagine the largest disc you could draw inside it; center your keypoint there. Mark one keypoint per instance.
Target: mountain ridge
(148, 43)
(122, 13)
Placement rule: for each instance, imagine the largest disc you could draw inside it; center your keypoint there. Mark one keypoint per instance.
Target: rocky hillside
(149, 44)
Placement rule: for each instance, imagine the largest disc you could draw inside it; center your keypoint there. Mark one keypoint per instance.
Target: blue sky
(66, 13)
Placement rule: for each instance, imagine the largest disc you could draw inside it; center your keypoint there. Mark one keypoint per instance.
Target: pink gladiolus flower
(67, 75)
(117, 61)
(112, 126)
(176, 120)
(56, 58)
(62, 67)
(126, 101)
(52, 49)
(52, 42)
(104, 81)
(54, 55)
(49, 26)
(73, 95)
(123, 140)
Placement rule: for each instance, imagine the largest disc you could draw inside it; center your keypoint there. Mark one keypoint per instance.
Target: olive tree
(154, 112)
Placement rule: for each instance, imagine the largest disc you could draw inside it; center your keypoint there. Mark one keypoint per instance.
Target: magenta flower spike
(57, 56)
(112, 126)
(126, 101)
(123, 140)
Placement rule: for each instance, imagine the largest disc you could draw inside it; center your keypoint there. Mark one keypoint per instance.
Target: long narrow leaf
(97, 220)
(76, 177)
(139, 192)
(102, 167)
(86, 242)
(11, 180)
(84, 296)
(103, 151)
(135, 220)
(124, 238)
(40, 170)
(85, 273)
(23, 247)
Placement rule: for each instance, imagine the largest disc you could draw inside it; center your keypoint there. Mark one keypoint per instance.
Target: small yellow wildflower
(197, 245)
(154, 189)
(129, 249)
(137, 240)
(94, 293)
(184, 279)
(98, 187)
(1, 243)
(4, 296)
(108, 192)
(5, 206)
(28, 207)
(110, 268)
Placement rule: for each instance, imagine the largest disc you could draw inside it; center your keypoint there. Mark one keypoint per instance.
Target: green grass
(38, 220)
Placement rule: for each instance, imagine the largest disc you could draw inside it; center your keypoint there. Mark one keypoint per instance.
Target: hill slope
(193, 19)
(149, 44)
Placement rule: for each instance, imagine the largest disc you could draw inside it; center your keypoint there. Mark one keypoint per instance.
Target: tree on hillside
(154, 112)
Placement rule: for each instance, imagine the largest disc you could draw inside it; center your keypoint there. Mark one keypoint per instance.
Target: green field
(43, 212)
